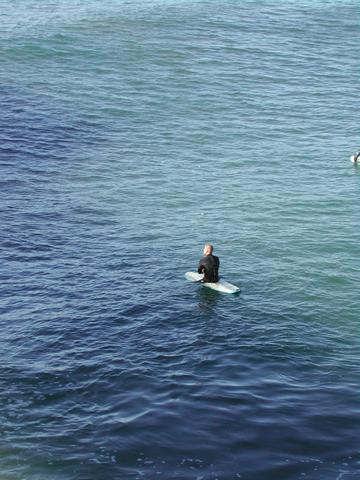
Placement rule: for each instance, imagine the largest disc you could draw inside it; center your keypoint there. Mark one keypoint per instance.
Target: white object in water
(352, 158)
(220, 286)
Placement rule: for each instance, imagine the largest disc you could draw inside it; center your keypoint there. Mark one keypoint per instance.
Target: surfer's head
(208, 249)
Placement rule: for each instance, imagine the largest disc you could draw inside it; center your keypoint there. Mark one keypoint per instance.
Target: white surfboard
(220, 286)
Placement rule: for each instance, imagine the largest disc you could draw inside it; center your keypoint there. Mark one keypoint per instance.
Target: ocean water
(131, 133)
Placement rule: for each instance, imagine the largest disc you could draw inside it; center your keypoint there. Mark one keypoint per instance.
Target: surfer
(356, 156)
(209, 265)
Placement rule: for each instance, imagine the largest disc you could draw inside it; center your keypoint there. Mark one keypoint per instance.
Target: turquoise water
(131, 134)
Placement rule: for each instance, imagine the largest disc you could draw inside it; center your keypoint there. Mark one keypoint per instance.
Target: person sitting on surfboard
(209, 265)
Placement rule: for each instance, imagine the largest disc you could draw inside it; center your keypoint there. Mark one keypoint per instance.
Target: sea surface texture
(131, 133)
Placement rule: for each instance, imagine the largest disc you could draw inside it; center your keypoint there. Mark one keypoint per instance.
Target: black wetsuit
(209, 265)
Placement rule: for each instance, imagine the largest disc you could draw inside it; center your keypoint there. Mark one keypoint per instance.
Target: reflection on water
(207, 298)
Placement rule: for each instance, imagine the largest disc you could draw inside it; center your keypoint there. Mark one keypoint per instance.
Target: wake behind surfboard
(220, 286)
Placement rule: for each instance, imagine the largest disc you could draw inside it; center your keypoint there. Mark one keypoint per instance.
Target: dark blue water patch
(34, 127)
(107, 404)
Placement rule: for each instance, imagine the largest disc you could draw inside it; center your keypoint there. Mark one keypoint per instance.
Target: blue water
(131, 133)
